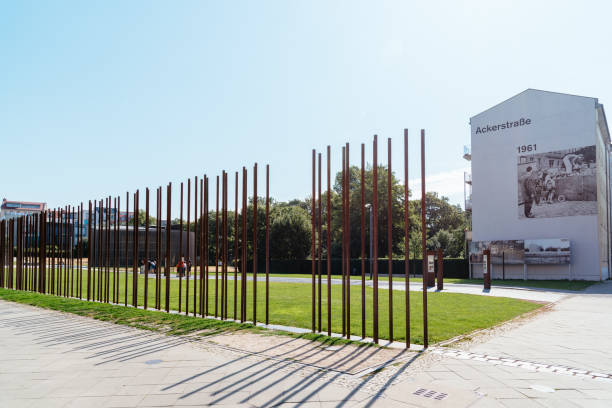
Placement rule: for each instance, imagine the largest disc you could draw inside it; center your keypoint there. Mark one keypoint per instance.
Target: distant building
(15, 209)
(541, 173)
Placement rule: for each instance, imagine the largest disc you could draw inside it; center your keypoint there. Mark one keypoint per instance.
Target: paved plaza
(560, 357)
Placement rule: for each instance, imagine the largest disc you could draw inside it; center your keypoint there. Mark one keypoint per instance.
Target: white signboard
(430, 263)
(485, 263)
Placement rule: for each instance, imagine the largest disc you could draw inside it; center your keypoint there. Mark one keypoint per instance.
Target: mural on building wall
(476, 248)
(518, 252)
(547, 251)
(510, 252)
(557, 184)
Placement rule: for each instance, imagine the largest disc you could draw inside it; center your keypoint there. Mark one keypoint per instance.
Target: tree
(440, 214)
(142, 217)
(290, 233)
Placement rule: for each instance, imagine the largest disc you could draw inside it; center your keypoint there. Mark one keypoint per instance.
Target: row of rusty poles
(317, 241)
(49, 247)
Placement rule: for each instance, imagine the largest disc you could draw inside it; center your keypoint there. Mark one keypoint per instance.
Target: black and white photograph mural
(557, 184)
(509, 252)
(547, 251)
(476, 248)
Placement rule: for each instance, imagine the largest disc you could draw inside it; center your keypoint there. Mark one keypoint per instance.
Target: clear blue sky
(100, 98)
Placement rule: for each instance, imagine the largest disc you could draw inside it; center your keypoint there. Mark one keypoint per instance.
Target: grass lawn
(545, 284)
(290, 304)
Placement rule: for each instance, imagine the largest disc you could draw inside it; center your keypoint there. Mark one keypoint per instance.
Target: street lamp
(369, 208)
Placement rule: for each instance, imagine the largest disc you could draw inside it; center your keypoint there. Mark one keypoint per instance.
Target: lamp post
(369, 208)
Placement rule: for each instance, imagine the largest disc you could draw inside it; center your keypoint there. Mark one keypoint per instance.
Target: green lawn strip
(576, 285)
(450, 314)
(168, 323)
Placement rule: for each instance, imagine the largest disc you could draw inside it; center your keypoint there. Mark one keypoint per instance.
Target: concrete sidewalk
(559, 358)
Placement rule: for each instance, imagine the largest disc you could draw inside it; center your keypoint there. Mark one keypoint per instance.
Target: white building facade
(541, 188)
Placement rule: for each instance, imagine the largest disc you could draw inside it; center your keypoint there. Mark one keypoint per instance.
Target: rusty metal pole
(116, 253)
(189, 263)
(181, 254)
(406, 240)
(196, 225)
(100, 262)
(348, 243)
(319, 254)
(236, 250)
(206, 246)
(223, 226)
(217, 249)
(2, 252)
(362, 231)
(255, 244)
(108, 235)
(44, 250)
(486, 259)
(268, 245)
(158, 238)
(203, 240)
(146, 248)
(226, 245)
(89, 252)
(135, 260)
(312, 252)
(244, 261)
(424, 241)
(329, 304)
(168, 231)
(440, 276)
(127, 235)
(60, 282)
(375, 235)
(390, 237)
(343, 264)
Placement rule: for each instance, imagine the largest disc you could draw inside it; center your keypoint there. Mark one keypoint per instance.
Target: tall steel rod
(348, 243)
(235, 257)
(319, 243)
(225, 243)
(189, 265)
(362, 233)
(217, 250)
(206, 246)
(100, 261)
(329, 302)
(406, 240)
(89, 254)
(2, 252)
(203, 247)
(424, 241)
(179, 265)
(158, 238)
(196, 225)
(223, 228)
(255, 244)
(116, 252)
(168, 228)
(375, 235)
(146, 248)
(108, 236)
(135, 247)
(390, 238)
(243, 261)
(268, 244)
(127, 235)
(343, 271)
(312, 251)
